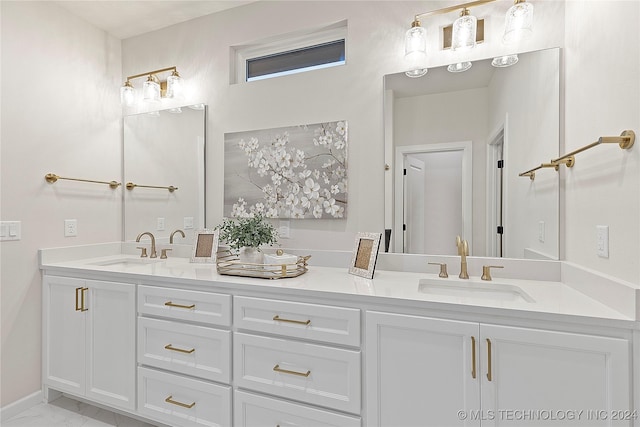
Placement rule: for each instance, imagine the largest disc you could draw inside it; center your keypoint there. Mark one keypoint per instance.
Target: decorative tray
(229, 264)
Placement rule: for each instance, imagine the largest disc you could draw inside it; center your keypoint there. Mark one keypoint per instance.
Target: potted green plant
(245, 235)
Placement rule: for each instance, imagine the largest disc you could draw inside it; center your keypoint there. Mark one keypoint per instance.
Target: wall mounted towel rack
(131, 186)
(52, 177)
(625, 141)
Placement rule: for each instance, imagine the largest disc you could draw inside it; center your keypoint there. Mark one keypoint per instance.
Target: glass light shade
(174, 85)
(415, 50)
(504, 61)
(459, 67)
(151, 90)
(518, 22)
(126, 94)
(464, 32)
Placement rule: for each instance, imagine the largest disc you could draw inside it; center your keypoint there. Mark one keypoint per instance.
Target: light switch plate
(602, 241)
(283, 229)
(10, 230)
(160, 224)
(541, 231)
(187, 223)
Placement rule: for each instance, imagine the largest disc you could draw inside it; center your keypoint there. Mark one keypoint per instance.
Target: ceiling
(128, 18)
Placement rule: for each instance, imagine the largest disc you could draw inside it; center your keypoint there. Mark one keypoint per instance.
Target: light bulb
(464, 31)
(174, 85)
(459, 67)
(415, 50)
(151, 90)
(504, 61)
(518, 22)
(126, 94)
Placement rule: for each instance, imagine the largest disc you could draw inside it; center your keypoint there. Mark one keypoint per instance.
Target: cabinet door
(420, 371)
(111, 334)
(64, 334)
(538, 376)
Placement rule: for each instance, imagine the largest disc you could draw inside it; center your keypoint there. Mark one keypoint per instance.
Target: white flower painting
(291, 172)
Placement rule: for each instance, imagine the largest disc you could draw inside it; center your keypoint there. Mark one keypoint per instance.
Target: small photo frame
(205, 246)
(365, 254)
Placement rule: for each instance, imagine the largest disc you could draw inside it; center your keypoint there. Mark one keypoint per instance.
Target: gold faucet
(463, 251)
(171, 236)
(153, 243)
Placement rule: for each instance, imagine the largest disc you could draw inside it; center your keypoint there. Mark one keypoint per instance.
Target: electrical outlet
(602, 241)
(160, 224)
(283, 229)
(70, 228)
(541, 231)
(187, 222)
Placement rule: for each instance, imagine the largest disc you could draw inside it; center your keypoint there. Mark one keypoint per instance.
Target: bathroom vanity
(175, 343)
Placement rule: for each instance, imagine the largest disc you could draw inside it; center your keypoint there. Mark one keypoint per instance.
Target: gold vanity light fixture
(464, 34)
(153, 89)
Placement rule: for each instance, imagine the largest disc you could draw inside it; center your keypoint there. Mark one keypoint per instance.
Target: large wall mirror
(455, 144)
(164, 167)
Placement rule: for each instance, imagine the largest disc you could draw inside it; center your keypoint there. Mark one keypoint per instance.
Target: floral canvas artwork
(289, 172)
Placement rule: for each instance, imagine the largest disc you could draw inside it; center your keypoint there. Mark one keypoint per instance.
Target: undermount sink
(126, 262)
(474, 290)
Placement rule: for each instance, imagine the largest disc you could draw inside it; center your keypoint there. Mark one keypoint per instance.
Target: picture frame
(365, 254)
(205, 246)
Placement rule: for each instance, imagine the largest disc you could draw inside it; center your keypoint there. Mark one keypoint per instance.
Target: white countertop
(549, 297)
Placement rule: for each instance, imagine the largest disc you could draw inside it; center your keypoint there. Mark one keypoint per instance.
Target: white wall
(60, 114)
(80, 134)
(602, 98)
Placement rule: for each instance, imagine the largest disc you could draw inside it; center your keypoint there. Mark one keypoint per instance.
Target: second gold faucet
(463, 251)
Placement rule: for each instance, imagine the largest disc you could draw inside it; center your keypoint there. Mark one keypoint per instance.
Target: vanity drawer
(252, 410)
(338, 325)
(204, 307)
(180, 401)
(189, 349)
(301, 371)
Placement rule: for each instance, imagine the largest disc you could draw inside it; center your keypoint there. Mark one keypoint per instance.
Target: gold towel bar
(624, 141)
(52, 177)
(131, 186)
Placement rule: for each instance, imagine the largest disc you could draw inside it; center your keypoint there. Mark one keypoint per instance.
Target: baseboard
(13, 409)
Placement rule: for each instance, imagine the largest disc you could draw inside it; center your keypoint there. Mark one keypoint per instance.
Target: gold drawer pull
(188, 307)
(170, 347)
(489, 376)
(175, 402)
(473, 357)
(78, 306)
(277, 368)
(299, 322)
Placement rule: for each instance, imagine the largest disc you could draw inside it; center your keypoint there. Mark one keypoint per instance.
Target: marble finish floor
(65, 412)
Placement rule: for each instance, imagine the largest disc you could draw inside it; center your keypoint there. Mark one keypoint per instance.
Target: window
(293, 53)
(296, 61)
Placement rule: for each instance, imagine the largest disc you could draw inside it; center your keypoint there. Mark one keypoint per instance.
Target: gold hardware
(473, 357)
(131, 186)
(279, 252)
(452, 8)
(144, 251)
(625, 141)
(531, 172)
(172, 348)
(163, 253)
(188, 307)
(175, 402)
(299, 322)
(162, 70)
(52, 177)
(387, 167)
(78, 308)
(277, 368)
(489, 376)
(486, 271)
(154, 254)
(443, 269)
(463, 251)
(171, 236)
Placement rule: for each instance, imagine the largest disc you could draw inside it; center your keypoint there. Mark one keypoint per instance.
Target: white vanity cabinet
(295, 352)
(89, 339)
(184, 356)
(432, 372)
